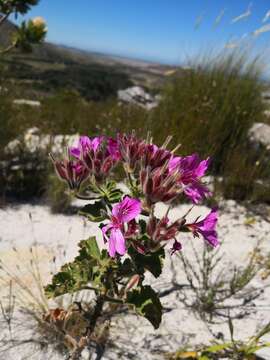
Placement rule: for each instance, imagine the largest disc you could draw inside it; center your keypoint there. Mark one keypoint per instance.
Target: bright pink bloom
(206, 227)
(84, 145)
(99, 154)
(113, 148)
(122, 213)
(191, 170)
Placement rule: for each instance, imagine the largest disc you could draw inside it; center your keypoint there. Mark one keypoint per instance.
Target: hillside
(95, 76)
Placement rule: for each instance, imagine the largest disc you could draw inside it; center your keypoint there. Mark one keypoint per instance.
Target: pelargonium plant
(135, 239)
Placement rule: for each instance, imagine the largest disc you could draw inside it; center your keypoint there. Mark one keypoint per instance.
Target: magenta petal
(112, 249)
(209, 222)
(210, 237)
(127, 209)
(74, 151)
(196, 192)
(96, 142)
(113, 148)
(174, 163)
(84, 142)
(117, 242)
(202, 168)
(206, 227)
(104, 231)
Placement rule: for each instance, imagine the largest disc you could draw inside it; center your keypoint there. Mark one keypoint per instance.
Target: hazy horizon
(155, 31)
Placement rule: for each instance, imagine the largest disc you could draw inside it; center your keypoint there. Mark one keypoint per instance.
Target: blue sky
(160, 30)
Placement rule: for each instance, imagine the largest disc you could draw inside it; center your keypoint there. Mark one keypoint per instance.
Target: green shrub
(212, 105)
(210, 108)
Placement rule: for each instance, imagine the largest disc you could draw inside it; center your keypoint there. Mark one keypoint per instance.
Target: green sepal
(110, 192)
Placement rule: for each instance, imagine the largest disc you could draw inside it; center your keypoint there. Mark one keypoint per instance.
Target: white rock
(137, 95)
(26, 102)
(259, 135)
(33, 141)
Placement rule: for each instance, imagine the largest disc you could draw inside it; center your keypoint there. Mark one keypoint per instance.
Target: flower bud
(73, 172)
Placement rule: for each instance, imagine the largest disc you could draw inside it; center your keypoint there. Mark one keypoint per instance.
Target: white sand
(134, 338)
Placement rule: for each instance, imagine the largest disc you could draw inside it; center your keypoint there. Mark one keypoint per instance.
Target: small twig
(9, 310)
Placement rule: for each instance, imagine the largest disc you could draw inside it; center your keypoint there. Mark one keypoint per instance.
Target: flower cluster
(154, 174)
(93, 158)
(135, 235)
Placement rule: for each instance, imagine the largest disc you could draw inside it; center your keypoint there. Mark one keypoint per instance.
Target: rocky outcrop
(34, 142)
(259, 135)
(26, 156)
(138, 96)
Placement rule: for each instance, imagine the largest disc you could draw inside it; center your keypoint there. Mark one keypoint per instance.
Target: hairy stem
(96, 314)
(91, 327)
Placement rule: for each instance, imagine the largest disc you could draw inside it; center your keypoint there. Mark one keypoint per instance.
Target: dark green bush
(209, 109)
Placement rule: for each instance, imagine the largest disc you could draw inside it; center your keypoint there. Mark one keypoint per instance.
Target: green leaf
(94, 212)
(110, 192)
(218, 347)
(152, 262)
(91, 246)
(147, 304)
(231, 327)
(88, 266)
(143, 225)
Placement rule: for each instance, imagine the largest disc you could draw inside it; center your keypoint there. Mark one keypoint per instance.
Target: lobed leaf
(152, 262)
(94, 212)
(88, 266)
(147, 304)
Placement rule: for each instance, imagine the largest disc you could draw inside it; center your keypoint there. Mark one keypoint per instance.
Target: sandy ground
(31, 232)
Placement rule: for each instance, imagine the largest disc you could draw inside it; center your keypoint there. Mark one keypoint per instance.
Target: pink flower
(206, 227)
(84, 145)
(122, 213)
(191, 170)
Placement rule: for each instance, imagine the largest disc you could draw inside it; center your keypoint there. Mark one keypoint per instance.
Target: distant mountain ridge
(68, 54)
(51, 68)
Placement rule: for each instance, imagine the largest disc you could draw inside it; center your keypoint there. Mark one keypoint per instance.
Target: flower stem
(82, 197)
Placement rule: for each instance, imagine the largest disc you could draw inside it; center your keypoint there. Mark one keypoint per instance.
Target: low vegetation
(208, 108)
